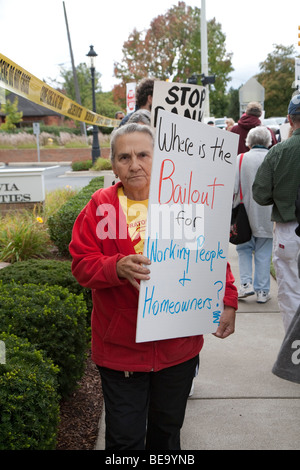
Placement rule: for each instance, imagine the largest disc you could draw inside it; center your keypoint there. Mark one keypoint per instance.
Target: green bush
(102, 164)
(61, 223)
(22, 237)
(46, 271)
(29, 401)
(53, 320)
(82, 165)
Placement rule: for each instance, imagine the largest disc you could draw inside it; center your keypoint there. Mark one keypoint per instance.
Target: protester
(287, 363)
(144, 95)
(229, 124)
(119, 115)
(260, 245)
(288, 360)
(276, 183)
(249, 120)
(145, 385)
(141, 116)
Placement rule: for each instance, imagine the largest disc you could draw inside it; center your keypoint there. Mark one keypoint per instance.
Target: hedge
(46, 271)
(61, 223)
(53, 320)
(29, 401)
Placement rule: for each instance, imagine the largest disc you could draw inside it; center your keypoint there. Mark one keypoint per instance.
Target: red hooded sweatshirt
(242, 128)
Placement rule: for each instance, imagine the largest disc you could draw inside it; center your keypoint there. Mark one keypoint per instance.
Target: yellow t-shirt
(136, 217)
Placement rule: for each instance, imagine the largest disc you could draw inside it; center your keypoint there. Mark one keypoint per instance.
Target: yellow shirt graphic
(136, 217)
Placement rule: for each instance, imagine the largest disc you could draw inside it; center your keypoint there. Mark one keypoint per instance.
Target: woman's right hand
(133, 268)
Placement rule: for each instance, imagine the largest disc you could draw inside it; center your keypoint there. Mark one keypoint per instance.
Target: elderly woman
(260, 246)
(141, 116)
(145, 385)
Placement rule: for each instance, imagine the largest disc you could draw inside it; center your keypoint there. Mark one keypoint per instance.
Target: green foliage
(277, 76)
(13, 116)
(29, 401)
(106, 107)
(84, 83)
(55, 199)
(55, 130)
(171, 47)
(45, 271)
(82, 165)
(233, 108)
(22, 237)
(61, 223)
(53, 320)
(102, 164)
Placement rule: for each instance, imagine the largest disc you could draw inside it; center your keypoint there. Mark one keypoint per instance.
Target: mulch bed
(80, 414)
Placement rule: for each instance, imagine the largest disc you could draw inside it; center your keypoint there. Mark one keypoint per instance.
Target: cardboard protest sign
(188, 224)
(179, 98)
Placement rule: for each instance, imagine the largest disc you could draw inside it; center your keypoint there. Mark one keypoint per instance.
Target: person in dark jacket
(144, 95)
(249, 120)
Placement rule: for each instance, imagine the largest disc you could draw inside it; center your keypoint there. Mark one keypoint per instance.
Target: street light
(95, 147)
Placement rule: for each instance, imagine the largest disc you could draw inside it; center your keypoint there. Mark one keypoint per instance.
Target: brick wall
(49, 155)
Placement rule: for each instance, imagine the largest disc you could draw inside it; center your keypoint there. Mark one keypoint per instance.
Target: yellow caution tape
(16, 79)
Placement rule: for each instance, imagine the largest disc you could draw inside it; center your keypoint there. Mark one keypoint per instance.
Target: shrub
(51, 272)
(55, 199)
(82, 165)
(61, 223)
(22, 237)
(53, 320)
(29, 401)
(102, 164)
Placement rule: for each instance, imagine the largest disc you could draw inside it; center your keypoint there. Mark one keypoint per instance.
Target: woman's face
(133, 162)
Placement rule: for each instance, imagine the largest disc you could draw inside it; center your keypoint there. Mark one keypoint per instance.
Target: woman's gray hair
(259, 135)
(128, 129)
(141, 116)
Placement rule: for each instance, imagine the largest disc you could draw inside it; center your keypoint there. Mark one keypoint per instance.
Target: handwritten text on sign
(187, 230)
(179, 98)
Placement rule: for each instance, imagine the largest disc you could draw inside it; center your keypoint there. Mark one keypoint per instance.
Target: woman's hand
(132, 268)
(227, 323)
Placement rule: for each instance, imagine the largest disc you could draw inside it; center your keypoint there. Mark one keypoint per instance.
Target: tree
(171, 49)
(105, 104)
(84, 83)
(13, 116)
(233, 108)
(277, 76)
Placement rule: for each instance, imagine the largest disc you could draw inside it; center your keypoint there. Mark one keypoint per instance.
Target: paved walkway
(238, 404)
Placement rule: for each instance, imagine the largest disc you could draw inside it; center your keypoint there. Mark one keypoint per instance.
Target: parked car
(220, 122)
(272, 124)
(280, 120)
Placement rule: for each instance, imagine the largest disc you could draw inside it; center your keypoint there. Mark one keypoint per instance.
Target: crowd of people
(146, 385)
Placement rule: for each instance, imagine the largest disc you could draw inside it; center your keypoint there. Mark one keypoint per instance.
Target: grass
(24, 234)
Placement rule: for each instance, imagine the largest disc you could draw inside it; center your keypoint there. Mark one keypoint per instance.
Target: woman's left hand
(227, 323)
(133, 268)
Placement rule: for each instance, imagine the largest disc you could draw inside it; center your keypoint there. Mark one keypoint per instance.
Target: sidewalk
(238, 404)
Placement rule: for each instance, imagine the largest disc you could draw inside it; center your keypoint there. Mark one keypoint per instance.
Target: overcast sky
(33, 32)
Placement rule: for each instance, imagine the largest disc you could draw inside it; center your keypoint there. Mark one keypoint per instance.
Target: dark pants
(146, 410)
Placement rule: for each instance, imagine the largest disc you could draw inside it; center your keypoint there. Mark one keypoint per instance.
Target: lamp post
(95, 146)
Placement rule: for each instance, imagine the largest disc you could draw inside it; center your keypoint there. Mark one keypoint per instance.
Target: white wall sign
(179, 98)
(20, 186)
(187, 230)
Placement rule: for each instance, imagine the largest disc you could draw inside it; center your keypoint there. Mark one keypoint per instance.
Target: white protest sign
(179, 98)
(130, 97)
(187, 237)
